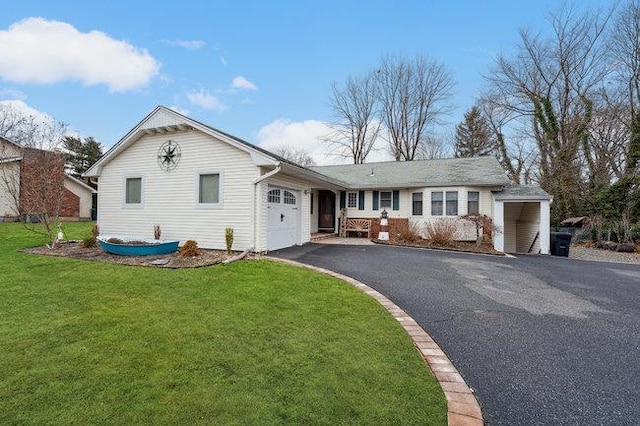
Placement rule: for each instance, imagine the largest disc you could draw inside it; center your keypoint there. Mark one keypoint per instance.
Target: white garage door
(283, 222)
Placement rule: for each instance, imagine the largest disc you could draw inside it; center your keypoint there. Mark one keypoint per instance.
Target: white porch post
(498, 222)
(545, 226)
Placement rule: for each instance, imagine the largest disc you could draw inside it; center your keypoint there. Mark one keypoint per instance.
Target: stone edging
(462, 405)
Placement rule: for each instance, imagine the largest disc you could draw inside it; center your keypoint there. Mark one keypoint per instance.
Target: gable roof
(165, 119)
(474, 171)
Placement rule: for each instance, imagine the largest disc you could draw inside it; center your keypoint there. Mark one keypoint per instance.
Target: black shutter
(360, 200)
(396, 200)
(376, 200)
(343, 199)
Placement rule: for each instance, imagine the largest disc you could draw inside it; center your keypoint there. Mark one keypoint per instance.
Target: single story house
(195, 181)
(29, 183)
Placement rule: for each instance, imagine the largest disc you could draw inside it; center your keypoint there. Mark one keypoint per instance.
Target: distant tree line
(562, 111)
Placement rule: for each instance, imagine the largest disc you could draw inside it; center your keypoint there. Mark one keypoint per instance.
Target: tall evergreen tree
(473, 136)
(81, 154)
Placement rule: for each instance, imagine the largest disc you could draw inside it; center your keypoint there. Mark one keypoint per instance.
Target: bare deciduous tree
(413, 95)
(295, 155)
(31, 177)
(551, 84)
(356, 127)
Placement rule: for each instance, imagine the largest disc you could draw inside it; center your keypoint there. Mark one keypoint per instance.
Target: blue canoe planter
(139, 248)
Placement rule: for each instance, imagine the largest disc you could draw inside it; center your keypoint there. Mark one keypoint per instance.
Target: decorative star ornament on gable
(169, 155)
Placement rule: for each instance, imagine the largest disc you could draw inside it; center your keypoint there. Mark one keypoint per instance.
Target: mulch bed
(460, 246)
(76, 251)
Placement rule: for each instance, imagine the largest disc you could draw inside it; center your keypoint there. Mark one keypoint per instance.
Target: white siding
(528, 225)
(9, 183)
(161, 119)
(466, 228)
(83, 194)
(511, 214)
(170, 198)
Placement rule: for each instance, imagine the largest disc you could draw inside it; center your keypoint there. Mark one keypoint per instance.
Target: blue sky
(261, 70)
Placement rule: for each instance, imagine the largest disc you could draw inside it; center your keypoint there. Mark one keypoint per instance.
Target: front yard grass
(254, 342)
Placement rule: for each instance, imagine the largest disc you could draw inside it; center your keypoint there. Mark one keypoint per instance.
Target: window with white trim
(133, 191)
(274, 196)
(289, 198)
(209, 188)
(436, 203)
(385, 199)
(352, 200)
(452, 203)
(416, 199)
(473, 202)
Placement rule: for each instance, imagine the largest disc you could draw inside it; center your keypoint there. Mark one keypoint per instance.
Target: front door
(327, 211)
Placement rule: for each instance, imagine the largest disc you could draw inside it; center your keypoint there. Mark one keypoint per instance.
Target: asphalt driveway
(541, 340)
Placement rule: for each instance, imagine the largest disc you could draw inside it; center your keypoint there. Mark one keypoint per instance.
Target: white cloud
(12, 94)
(206, 100)
(187, 44)
(240, 82)
(18, 106)
(308, 136)
(179, 110)
(36, 50)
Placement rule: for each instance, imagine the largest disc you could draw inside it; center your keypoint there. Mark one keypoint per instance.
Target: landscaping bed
(461, 246)
(174, 260)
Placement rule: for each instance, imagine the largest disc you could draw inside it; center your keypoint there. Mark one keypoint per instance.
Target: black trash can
(560, 243)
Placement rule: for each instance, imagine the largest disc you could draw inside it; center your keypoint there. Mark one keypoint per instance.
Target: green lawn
(254, 342)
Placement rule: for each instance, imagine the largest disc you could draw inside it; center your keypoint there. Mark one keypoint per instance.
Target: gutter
(255, 200)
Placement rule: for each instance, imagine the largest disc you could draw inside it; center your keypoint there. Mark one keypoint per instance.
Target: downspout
(255, 200)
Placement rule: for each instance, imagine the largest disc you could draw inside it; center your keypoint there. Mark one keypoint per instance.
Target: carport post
(545, 226)
(498, 222)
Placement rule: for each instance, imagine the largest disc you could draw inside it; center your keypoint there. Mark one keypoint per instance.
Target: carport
(522, 217)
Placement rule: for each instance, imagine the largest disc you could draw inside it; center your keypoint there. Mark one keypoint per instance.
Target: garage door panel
(283, 216)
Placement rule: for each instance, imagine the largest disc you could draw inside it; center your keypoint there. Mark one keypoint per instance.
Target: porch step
(322, 236)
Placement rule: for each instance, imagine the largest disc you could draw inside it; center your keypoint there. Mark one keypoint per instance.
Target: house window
(436, 203)
(209, 188)
(133, 191)
(417, 203)
(473, 202)
(289, 198)
(352, 200)
(274, 196)
(452, 203)
(385, 199)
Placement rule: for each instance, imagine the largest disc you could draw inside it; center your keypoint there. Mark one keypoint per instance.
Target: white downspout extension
(255, 201)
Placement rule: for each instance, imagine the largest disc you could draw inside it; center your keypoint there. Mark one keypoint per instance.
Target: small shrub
(228, 238)
(483, 224)
(95, 230)
(189, 249)
(156, 232)
(441, 232)
(89, 242)
(114, 240)
(405, 232)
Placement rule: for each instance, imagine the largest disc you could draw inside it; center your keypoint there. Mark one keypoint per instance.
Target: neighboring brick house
(37, 178)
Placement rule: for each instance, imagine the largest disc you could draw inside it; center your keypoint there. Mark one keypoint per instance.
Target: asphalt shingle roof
(522, 192)
(476, 171)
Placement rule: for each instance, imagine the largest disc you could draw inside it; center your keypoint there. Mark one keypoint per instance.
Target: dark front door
(326, 210)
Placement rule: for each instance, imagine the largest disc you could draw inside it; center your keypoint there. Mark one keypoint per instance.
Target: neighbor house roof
(521, 192)
(475, 171)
